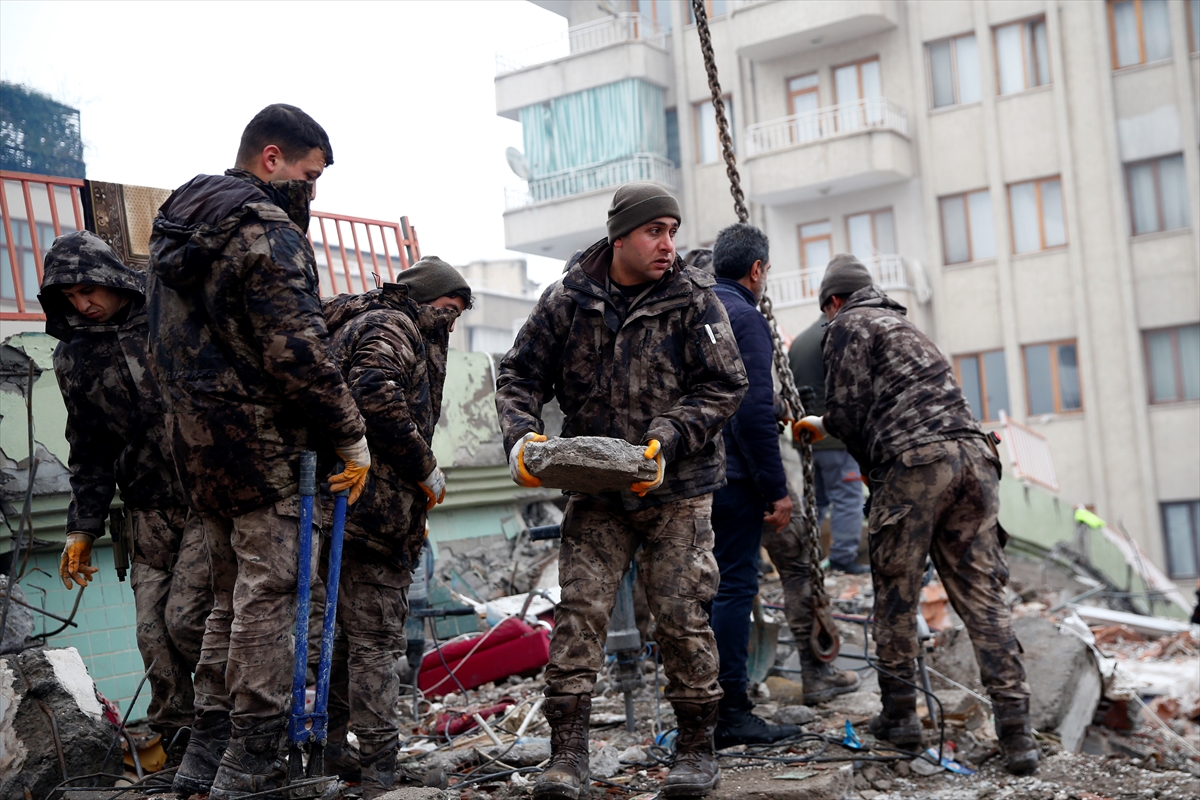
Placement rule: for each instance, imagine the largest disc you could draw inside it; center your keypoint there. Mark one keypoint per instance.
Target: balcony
(566, 210)
(892, 273)
(589, 55)
(831, 150)
(767, 29)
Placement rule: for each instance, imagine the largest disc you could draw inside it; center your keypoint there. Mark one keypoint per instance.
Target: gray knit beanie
(431, 278)
(844, 275)
(636, 204)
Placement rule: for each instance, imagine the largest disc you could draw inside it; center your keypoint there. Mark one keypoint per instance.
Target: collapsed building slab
(588, 464)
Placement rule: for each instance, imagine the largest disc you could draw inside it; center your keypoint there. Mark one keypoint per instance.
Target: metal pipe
(297, 734)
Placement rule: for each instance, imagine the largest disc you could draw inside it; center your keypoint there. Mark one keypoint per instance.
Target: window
(1158, 196)
(1181, 532)
(984, 381)
(656, 11)
(1173, 363)
(1194, 19)
(1037, 215)
(802, 99)
(954, 71)
(854, 85)
(714, 8)
(871, 234)
(967, 232)
(1052, 378)
(708, 144)
(673, 136)
(1022, 56)
(816, 249)
(1140, 31)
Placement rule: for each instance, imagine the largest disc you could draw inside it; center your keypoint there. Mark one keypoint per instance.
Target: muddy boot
(822, 682)
(340, 759)
(695, 772)
(567, 772)
(898, 723)
(378, 774)
(1015, 733)
(254, 762)
(202, 757)
(736, 724)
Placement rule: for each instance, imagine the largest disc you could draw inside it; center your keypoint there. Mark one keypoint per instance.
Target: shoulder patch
(699, 277)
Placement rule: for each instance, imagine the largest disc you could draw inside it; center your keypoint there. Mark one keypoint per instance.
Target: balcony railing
(891, 272)
(584, 38)
(34, 210)
(870, 113)
(580, 180)
(364, 252)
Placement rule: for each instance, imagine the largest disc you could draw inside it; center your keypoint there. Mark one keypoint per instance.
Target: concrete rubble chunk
(588, 464)
(416, 793)
(37, 686)
(605, 762)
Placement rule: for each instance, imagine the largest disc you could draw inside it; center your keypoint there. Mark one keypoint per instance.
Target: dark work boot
(254, 763)
(198, 767)
(736, 724)
(378, 774)
(1015, 732)
(567, 772)
(695, 772)
(822, 682)
(898, 723)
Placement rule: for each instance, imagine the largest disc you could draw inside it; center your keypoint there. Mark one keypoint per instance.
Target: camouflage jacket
(115, 424)
(392, 353)
(666, 367)
(888, 388)
(239, 342)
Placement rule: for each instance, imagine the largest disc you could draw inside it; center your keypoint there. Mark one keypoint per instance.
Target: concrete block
(830, 784)
(588, 464)
(416, 793)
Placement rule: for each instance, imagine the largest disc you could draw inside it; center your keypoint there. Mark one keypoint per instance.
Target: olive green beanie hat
(636, 204)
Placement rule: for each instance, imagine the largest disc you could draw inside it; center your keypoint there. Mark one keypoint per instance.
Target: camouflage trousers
(943, 500)
(170, 582)
(785, 547)
(598, 543)
(364, 687)
(246, 661)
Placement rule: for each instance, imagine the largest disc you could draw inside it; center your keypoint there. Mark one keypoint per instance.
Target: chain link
(787, 382)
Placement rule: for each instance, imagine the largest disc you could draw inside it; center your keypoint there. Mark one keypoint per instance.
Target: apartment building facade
(1024, 175)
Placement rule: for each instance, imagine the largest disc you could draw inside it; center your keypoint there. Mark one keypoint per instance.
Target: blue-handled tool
(312, 728)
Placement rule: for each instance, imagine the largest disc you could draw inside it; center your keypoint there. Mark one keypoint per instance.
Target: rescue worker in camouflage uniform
(636, 346)
(891, 396)
(95, 306)
(240, 350)
(391, 345)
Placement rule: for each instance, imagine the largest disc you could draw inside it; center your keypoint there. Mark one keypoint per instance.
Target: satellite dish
(516, 162)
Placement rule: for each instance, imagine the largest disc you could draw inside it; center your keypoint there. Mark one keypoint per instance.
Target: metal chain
(788, 389)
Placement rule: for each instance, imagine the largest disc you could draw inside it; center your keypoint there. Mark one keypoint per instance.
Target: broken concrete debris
(588, 464)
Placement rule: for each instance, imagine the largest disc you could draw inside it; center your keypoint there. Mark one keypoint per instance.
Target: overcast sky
(405, 90)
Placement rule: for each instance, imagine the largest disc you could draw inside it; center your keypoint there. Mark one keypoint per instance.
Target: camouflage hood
(198, 220)
(342, 308)
(873, 297)
(83, 257)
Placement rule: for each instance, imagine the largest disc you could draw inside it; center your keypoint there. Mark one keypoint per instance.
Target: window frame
(1193, 507)
(874, 212)
(1012, 228)
(728, 100)
(1024, 23)
(967, 219)
(708, 6)
(652, 13)
(1159, 206)
(1176, 364)
(987, 416)
(1141, 33)
(791, 95)
(800, 236)
(1055, 382)
(1193, 11)
(953, 40)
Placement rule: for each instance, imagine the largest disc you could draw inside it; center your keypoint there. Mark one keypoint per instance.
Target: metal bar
(387, 256)
(362, 274)
(371, 249)
(78, 208)
(297, 734)
(53, 210)
(12, 175)
(12, 250)
(328, 257)
(33, 231)
(337, 226)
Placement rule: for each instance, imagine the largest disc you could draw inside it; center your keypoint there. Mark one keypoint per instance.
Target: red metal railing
(340, 255)
(25, 237)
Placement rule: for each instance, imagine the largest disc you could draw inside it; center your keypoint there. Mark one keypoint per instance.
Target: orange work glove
(811, 426)
(516, 462)
(354, 476)
(76, 561)
(652, 451)
(434, 487)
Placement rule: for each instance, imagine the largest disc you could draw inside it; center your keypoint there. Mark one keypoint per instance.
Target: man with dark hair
(295, 133)
(95, 306)
(891, 396)
(635, 346)
(757, 493)
(239, 346)
(391, 345)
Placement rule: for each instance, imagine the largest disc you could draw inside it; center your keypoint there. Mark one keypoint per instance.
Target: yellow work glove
(812, 426)
(76, 561)
(354, 476)
(434, 487)
(516, 462)
(652, 451)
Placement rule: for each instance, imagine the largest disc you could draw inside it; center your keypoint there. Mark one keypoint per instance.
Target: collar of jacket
(342, 308)
(872, 297)
(746, 294)
(294, 197)
(587, 278)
